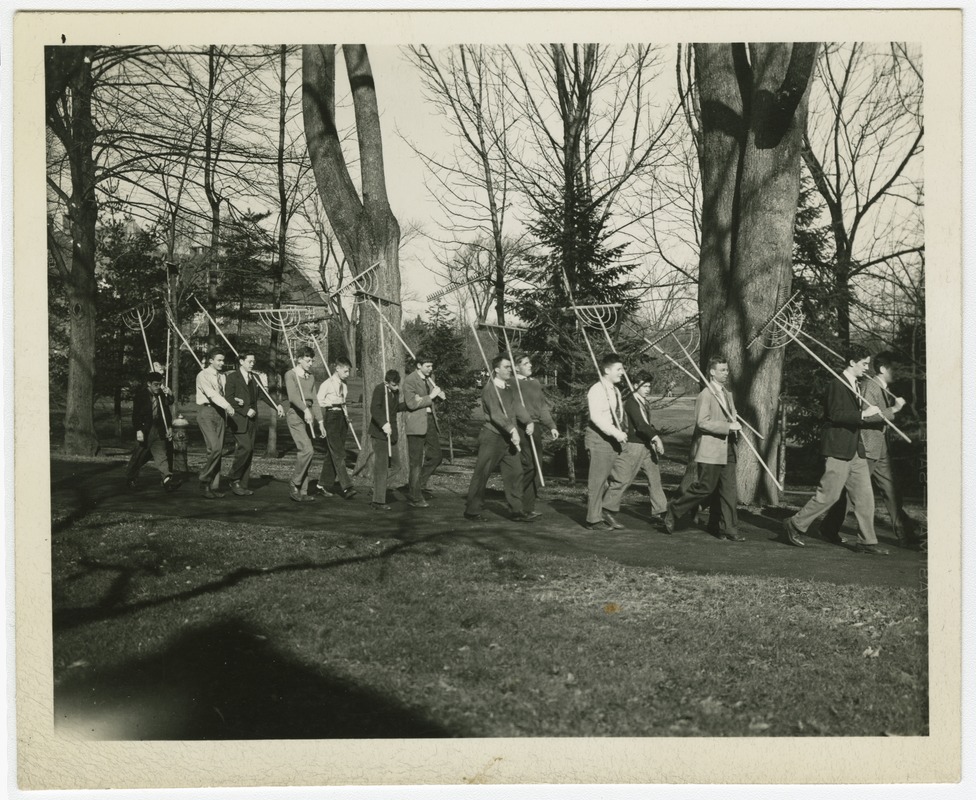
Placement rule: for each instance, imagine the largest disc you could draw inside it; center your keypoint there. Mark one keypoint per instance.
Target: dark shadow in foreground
(225, 681)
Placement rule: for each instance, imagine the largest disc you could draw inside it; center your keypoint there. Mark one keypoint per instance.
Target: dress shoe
(611, 521)
(792, 534)
(833, 538)
(210, 494)
(419, 504)
(600, 525)
(380, 507)
(731, 537)
(472, 517)
(347, 493)
(320, 489)
(239, 490)
(870, 549)
(531, 515)
(523, 517)
(669, 522)
(169, 484)
(295, 493)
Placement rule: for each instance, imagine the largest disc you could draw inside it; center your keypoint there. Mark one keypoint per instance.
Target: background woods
(512, 183)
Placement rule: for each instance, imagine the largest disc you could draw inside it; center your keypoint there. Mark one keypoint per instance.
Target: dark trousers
(299, 434)
(155, 446)
(240, 469)
(211, 424)
(709, 480)
(334, 466)
(425, 456)
(493, 451)
(530, 475)
(383, 464)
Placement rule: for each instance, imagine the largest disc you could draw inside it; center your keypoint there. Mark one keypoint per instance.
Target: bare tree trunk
(366, 229)
(69, 85)
(213, 198)
(753, 115)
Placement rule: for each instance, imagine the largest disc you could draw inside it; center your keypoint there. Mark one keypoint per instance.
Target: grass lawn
(165, 630)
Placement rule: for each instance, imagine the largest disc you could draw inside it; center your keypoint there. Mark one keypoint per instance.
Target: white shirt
(332, 392)
(602, 413)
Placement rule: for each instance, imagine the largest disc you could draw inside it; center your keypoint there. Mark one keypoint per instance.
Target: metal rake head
(602, 316)
(782, 327)
(286, 318)
(693, 335)
(138, 316)
(453, 287)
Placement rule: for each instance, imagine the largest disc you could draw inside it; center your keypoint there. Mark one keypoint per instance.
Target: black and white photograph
(586, 379)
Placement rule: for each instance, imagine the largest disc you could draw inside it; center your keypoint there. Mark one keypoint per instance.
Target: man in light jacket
(713, 449)
(421, 427)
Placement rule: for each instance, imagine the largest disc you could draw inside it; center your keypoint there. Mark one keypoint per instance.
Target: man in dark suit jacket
(846, 466)
(384, 433)
(242, 392)
(152, 420)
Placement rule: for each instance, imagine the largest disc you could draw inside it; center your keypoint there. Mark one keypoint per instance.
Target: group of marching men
(620, 439)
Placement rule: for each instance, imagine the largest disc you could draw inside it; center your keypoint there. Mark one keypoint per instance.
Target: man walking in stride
(846, 465)
(499, 442)
(713, 450)
(540, 414)
(332, 398)
(241, 390)
(152, 420)
(302, 415)
(212, 411)
(384, 433)
(874, 436)
(604, 439)
(641, 451)
(423, 437)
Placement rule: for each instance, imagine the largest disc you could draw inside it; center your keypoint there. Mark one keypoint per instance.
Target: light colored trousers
(602, 457)
(635, 457)
(855, 477)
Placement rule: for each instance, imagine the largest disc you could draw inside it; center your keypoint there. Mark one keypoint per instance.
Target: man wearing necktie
(241, 390)
(845, 461)
(212, 410)
(604, 439)
(874, 438)
(713, 450)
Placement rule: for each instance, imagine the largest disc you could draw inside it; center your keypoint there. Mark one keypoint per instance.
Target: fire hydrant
(179, 444)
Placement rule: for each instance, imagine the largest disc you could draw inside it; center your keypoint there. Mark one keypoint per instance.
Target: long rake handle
(728, 414)
(233, 349)
(145, 341)
(390, 325)
(518, 387)
(484, 358)
(850, 388)
(589, 347)
(325, 363)
(386, 396)
(185, 342)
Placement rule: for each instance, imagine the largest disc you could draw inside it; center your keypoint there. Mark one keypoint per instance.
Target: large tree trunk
(69, 87)
(753, 115)
(366, 229)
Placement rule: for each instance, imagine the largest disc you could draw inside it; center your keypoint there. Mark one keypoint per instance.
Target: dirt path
(79, 488)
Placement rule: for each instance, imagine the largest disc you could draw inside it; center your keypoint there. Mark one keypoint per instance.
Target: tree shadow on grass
(227, 681)
(112, 604)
